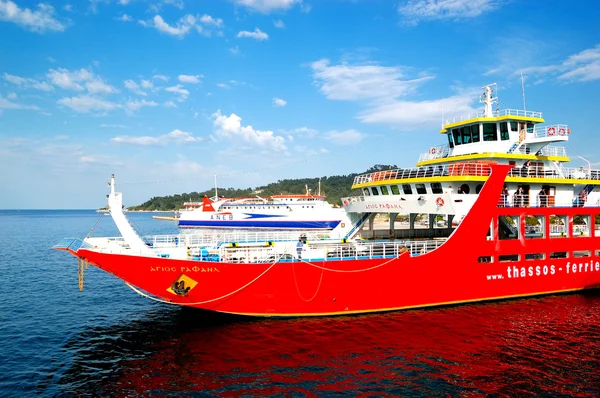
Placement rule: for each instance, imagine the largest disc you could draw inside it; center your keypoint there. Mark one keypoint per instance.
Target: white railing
(537, 200)
(551, 130)
(503, 112)
(455, 169)
(436, 152)
(549, 150)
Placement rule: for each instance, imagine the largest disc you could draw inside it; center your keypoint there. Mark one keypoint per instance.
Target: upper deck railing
(498, 113)
(457, 169)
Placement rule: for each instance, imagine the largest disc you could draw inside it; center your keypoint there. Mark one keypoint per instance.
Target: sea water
(109, 341)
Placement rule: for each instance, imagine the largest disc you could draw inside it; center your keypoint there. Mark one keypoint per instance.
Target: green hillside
(334, 187)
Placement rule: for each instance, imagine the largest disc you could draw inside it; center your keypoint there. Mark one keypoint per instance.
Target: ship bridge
(505, 133)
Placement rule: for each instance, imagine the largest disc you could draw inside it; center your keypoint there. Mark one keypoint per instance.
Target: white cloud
(79, 80)
(194, 79)
(147, 84)
(27, 82)
(181, 28)
(170, 104)
(359, 82)
(134, 87)
(223, 85)
(347, 137)
(178, 89)
(41, 20)
(12, 96)
(415, 11)
(114, 126)
(6, 104)
(176, 136)
(87, 104)
(423, 112)
(279, 103)
(257, 34)
(230, 127)
(208, 20)
(235, 50)
(134, 105)
(267, 6)
(124, 18)
(303, 131)
(161, 77)
(279, 24)
(581, 67)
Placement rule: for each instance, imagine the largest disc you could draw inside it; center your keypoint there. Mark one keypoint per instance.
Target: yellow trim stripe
(410, 306)
(493, 155)
(492, 120)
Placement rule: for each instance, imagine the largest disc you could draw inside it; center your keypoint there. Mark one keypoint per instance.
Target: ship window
(485, 259)
(464, 188)
(535, 256)
(559, 227)
(384, 190)
(504, 131)
(375, 191)
(581, 226)
(581, 253)
(436, 187)
(514, 126)
(466, 134)
(450, 142)
(529, 127)
(407, 189)
(508, 227)
(395, 190)
(489, 132)
(478, 188)
(366, 192)
(475, 132)
(597, 225)
(457, 138)
(508, 257)
(534, 227)
(558, 255)
(421, 189)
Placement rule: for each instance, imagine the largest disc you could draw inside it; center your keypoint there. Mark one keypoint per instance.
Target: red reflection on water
(535, 346)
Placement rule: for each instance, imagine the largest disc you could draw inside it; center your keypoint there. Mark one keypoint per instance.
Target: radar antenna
(488, 99)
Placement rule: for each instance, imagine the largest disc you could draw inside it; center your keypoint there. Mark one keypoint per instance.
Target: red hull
(448, 275)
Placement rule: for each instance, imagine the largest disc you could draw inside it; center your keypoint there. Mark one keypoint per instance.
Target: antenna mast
(216, 192)
(523, 91)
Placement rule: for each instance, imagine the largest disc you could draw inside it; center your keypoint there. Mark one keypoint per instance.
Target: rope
(206, 301)
(298, 288)
(95, 225)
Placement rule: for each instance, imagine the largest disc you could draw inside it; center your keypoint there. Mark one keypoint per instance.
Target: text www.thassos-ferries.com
(514, 272)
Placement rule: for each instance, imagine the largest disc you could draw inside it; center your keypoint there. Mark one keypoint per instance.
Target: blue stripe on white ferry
(253, 223)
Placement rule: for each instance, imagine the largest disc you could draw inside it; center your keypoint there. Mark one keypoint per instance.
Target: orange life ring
(561, 131)
(345, 202)
(568, 131)
(433, 151)
(439, 201)
(551, 131)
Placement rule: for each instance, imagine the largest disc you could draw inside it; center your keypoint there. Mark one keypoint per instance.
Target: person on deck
(299, 247)
(543, 198)
(505, 196)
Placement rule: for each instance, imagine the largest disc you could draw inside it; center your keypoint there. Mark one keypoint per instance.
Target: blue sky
(167, 93)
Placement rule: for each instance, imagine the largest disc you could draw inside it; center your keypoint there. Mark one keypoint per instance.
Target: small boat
(495, 239)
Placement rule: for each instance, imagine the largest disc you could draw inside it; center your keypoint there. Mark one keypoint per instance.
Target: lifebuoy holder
(439, 201)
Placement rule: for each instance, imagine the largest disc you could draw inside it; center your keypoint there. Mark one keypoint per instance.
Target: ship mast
(488, 100)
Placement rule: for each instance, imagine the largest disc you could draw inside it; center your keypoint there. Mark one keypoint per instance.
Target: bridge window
(421, 190)
(395, 190)
(475, 132)
(375, 191)
(465, 132)
(436, 187)
(457, 137)
(514, 127)
(407, 189)
(489, 132)
(384, 190)
(504, 131)
(534, 227)
(450, 142)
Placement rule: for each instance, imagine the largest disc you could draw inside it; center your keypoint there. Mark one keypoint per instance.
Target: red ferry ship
(468, 224)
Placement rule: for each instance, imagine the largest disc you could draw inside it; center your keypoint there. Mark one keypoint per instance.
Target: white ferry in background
(302, 212)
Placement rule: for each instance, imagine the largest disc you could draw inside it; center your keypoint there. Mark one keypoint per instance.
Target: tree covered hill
(334, 187)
